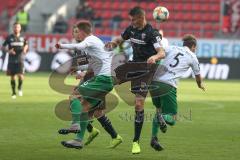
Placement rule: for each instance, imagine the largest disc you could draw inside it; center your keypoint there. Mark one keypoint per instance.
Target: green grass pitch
(208, 125)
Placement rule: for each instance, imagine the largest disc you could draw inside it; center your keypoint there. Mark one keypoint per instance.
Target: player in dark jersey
(146, 48)
(16, 45)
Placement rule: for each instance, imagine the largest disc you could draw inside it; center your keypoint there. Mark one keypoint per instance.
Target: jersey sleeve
(78, 46)
(6, 42)
(195, 66)
(126, 34)
(155, 39)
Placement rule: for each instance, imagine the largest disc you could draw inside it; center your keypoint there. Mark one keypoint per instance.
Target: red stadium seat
(201, 17)
(115, 5)
(106, 5)
(124, 24)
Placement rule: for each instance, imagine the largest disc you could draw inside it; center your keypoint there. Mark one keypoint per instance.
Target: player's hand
(110, 46)
(151, 60)
(80, 75)
(58, 46)
(12, 52)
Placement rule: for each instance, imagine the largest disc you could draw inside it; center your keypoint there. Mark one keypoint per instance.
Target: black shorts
(140, 86)
(139, 73)
(14, 68)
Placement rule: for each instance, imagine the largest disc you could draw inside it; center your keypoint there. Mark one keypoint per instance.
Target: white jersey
(99, 59)
(164, 42)
(177, 61)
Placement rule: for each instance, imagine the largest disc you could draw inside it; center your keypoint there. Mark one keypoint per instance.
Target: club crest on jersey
(143, 35)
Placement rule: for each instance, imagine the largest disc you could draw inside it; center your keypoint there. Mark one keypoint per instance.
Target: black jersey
(17, 43)
(143, 42)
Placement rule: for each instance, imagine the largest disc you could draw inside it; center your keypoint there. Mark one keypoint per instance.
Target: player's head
(81, 30)
(190, 41)
(75, 32)
(137, 17)
(16, 28)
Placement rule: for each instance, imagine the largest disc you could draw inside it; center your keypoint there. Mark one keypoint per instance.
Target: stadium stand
(198, 17)
(8, 9)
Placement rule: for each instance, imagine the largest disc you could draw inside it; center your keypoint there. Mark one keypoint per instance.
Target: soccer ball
(160, 14)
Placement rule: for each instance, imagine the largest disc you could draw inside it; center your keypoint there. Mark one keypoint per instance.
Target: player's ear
(193, 48)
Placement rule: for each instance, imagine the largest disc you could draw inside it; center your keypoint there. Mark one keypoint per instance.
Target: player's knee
(98, 113)
(13, 78)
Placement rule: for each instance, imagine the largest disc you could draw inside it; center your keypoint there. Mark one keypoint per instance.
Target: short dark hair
(15, 23)
(136, 11)
(85, 26)
(189, 40)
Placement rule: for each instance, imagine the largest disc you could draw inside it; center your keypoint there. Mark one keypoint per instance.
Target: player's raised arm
(76, 46)
(156, 40)
(160, 55)
(114, 43)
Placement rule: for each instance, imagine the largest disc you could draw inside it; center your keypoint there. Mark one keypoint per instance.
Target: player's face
(81, 35)
(137, 21)
(193, 49)
(17, 28)
(75, 34)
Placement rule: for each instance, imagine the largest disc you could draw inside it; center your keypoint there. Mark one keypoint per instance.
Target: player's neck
(17, 34)
(144, 24)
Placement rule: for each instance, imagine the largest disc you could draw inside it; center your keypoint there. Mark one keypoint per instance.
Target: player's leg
(11, 71)
(139, 89)
(80, 120)
(92, 92)
(166, 105)
(19, 71)
(161, 94)
(13, 86)
(107, 125)
(20, 83)
(138, 123)
(155, 125)
(92, 131)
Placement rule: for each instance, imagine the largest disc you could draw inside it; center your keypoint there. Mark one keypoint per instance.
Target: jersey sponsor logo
(15, 44)
(137, 41)
(21, 39)
(143, 35)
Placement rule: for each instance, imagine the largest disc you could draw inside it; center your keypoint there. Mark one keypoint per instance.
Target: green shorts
(95, 89)
(164, 96)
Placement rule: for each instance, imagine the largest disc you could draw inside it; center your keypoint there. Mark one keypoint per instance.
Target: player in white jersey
(92, 91)
(164, 92)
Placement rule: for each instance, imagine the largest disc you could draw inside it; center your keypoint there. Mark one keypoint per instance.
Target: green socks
(83, 124)
(76, 109)
(155, 126)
